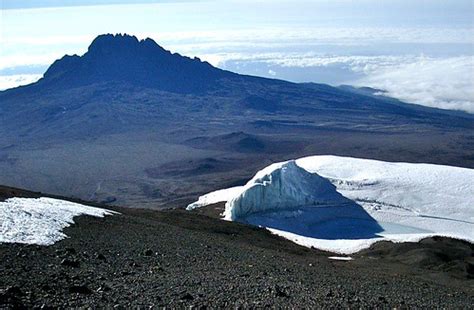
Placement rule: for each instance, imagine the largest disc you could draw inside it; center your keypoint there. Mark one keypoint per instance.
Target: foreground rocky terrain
(180, 259)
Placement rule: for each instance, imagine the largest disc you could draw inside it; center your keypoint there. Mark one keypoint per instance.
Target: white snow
(40, 220)
(343, 258)
(343, 204)
(214, 197)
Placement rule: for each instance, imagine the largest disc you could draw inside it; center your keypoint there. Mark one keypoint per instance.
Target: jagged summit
(109, 43)
(124, 58)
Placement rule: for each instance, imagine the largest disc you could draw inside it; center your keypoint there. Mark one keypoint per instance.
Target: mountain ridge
(128, 107)
(124, 58)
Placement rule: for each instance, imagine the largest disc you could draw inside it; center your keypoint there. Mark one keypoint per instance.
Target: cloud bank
(11, 81)
(440, 82)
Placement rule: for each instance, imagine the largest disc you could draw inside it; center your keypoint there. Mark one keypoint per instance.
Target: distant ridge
(124, 58)
(129, 122)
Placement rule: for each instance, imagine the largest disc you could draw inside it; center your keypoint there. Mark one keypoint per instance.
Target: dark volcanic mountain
(124, 58)
(96, 125)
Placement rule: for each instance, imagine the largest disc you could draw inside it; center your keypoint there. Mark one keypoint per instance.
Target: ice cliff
(344, 204)
(282, 186)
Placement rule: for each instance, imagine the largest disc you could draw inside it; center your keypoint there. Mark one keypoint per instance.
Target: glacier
(40, 220)
(344, 204)
(282, 186)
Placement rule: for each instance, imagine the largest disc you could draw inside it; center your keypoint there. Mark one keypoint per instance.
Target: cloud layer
(10, 81)
(417, 51)
(440, 82)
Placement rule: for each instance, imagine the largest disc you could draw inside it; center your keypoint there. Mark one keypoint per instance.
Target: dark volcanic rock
(14, 291)
(70, 263)
(187, 296)
(124, 58)
(148, 252)
(71, 251)
(435, 253)
(79, 289)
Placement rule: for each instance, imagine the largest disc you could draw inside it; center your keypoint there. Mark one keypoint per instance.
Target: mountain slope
(95, 124)
(123, 58)
(120, 68)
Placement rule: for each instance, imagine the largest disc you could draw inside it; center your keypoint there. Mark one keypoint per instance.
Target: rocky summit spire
(109, 44)
(125, 59)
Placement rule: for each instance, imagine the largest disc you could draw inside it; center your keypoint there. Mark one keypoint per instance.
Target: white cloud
(48, 40)
(23, 59)
(218, 45)
(272, 73)
(10, 81)
(440, 83)
(446, 83)
(333, 35)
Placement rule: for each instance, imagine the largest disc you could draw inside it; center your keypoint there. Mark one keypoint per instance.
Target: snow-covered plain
(40, 220)
(343, 204)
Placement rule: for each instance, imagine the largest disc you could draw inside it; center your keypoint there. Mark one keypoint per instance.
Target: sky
(420, 51)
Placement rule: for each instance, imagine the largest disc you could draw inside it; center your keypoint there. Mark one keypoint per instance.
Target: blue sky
(419, 51)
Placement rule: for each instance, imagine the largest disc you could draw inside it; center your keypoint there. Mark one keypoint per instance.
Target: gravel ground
(178, 259)
(146, 258)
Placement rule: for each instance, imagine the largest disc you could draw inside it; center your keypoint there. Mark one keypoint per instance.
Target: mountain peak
(124, 58)
(124, 42)
(112, 40)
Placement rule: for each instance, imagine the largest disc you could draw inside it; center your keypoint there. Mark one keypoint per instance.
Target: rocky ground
(180, 259)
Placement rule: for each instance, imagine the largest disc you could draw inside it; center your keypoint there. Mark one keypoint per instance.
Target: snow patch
(40, 220)
(343, 258)
(344, 205)
(214, 197)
